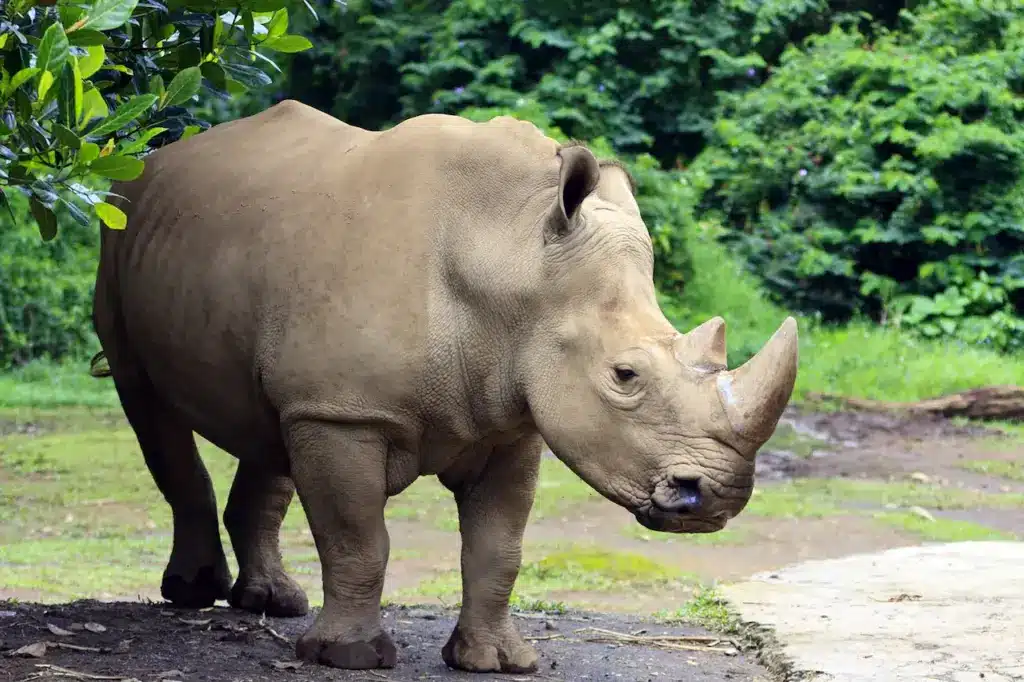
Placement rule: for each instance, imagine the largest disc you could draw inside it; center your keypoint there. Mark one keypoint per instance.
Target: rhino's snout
(684, 503)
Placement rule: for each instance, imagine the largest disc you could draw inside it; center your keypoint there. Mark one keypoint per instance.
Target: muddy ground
(149, 642)
(836, 446)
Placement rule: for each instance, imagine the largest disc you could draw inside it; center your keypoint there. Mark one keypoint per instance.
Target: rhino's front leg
(493, 510)
(339, 473)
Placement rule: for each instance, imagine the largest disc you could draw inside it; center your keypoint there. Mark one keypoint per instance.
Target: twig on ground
(49, 670)
(541, 638)
(275, 634)
(671, 642)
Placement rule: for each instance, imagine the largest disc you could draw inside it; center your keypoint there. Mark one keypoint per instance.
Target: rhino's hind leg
(256, 508)
(197, 573)
(341, 479)
(493, 510)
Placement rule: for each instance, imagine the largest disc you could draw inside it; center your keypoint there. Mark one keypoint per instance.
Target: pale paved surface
(964, 620)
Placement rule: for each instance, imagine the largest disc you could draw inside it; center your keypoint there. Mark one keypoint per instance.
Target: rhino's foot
(277, 596)
(209, 585)
(489, 652)
(378, 652)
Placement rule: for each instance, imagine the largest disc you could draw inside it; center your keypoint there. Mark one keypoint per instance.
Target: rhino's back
(291, 262)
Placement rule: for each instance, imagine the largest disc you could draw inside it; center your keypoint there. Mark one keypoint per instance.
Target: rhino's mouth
(662, 522)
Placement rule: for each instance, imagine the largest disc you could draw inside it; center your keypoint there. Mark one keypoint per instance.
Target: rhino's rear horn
(755, 394)
(703, 346)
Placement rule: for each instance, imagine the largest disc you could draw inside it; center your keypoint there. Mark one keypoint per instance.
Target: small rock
(60, 632)
(920, 477)
(286, 665)
(548, 625)
(923, 513)
(8, 614)
(94, 627)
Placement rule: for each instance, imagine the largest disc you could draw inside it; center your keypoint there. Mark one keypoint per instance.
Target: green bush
(885, 177)
(645, 76)
(45, 287)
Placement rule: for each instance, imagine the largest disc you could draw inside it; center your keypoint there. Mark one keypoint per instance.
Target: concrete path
(950, 612)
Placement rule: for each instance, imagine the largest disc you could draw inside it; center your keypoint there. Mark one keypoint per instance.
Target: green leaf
(118, 167)
(183, 87)
(53, 49)
(89, 151)
(93, 106)
(156, 85)
(21, 78)
(87, 37)
(45, 82)
(124, 114)
(287, 44)
(67, 105)
(111, 215)
(278, 24)
(66, 136)
(248, 24)
(92, 61)
(189, 132)
(45, 219)
(214, 73)
(139, 144)
(109, 14)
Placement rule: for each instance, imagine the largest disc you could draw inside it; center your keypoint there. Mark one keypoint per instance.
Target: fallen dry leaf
(286, 665)
(36, 650)
(94, 627)
(923, 513)
(60, 632)
(188, 621)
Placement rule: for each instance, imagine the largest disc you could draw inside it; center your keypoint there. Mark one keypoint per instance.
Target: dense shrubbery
(860, 161)
(885, 176)
(45, 287)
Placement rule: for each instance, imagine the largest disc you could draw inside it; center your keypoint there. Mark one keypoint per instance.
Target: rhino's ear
(577, 178)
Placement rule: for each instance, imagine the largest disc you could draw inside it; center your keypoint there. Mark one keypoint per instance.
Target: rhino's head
(649, 417)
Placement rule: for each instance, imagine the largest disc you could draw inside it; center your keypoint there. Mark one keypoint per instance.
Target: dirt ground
(918, 468)
(148, 642)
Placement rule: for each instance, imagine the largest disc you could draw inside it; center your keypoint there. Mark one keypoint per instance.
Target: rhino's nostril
(684, 496)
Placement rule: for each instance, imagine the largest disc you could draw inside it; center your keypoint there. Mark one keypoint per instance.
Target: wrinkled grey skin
(345, 311)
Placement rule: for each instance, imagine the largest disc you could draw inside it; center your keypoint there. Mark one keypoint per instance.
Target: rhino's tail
(99, 368)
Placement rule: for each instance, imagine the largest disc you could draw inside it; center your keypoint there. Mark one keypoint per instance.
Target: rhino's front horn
(755, 394)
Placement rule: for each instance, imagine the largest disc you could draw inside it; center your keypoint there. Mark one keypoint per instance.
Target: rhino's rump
(257, 257)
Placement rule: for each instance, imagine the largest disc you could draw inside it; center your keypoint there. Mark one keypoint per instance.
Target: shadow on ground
(151, 642)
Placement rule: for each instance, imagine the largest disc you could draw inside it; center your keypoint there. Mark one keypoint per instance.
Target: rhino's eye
(624, 374)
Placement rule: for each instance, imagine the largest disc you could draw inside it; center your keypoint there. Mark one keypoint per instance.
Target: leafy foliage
(45, 288)
(646, 76)
(86, 88)
(885, 175)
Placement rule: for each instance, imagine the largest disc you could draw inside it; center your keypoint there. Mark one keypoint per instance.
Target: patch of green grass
(47, 384)
(818, 498)
(576, 569)
(942, 530)
(706, 608)
(1011, 470)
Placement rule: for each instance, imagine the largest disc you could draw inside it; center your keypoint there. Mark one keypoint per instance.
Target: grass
(1011, 470)
(573, 569)
(942, 530)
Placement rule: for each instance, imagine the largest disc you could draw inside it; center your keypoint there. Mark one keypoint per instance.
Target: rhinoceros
(346, 310)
